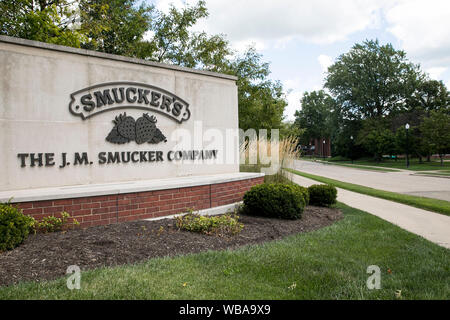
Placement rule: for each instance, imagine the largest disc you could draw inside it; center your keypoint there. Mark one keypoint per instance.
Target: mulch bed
(47, 256)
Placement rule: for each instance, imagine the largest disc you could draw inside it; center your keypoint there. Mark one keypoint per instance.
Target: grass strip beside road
(329, 263)
(414, 164)
(357, 166)
(435, 205)
(434, 174)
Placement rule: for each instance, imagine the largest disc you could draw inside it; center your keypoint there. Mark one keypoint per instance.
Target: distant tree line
(370, 93)
(133, 28)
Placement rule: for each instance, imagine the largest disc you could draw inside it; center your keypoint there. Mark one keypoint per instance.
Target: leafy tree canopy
(429, 95)
(377, 138)
(436, 132)
(261, 100)
(372, 80)
(114, 26)
(51, 21)
(316, 115)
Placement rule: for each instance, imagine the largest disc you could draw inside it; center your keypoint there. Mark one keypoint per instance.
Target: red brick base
(107, 209)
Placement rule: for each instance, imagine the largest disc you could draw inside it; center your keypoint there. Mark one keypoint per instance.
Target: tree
(51, 21)
(430, 95)
(114, 26)
(171, 30)
(261, 100)
(290, 129)
(205, 52)
(436, 132)
(415, 144)
(377, 139)
(315, 115)
(372, 80)
(342, 142)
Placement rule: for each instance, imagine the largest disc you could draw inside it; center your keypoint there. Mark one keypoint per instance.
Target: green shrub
(285, 201)
(14, 226)
(323, 195)
(52, 223)
(305, 193)
(226, 224)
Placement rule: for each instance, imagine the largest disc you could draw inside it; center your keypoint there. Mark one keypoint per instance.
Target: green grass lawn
(414, 164)
(329, 263)
(435, 205)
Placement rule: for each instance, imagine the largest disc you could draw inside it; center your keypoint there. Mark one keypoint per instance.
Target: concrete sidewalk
(432, 226)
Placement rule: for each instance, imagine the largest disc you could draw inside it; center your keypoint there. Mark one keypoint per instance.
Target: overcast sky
(301, 38)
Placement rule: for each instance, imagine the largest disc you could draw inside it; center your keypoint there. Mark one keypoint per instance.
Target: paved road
(431, 226)
(401, 182)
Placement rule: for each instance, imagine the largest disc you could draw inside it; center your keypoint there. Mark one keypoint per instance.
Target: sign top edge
(91, 53)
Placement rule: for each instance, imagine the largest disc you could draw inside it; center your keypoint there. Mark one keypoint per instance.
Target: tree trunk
(428, 158)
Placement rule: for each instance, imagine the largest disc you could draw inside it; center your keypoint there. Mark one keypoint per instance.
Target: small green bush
(52, 223)
(227, 224)
(305, 193)
(14, 226)
(323, 195)
(285, 201)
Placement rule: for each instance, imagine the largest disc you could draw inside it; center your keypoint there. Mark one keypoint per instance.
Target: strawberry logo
(142, 130)
(145, 128)
(126, 126)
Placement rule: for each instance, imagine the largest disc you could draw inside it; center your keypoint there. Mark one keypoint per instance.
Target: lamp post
(351, 148)
(323, 149)
(407, 151)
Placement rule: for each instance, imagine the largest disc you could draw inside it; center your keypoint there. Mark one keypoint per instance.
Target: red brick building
(318, 148)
